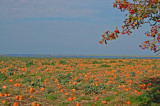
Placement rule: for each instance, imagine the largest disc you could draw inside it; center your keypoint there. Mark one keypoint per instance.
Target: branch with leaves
(140, 12)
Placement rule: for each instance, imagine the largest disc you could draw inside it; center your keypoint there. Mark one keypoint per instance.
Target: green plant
(64, 78)
(105, 66)
(133, 74)
(109, 98)
(51, 97)
(36, 83)
(62, 62)
(3, 77)
(113, 61)
(29, 63)
(49, 90)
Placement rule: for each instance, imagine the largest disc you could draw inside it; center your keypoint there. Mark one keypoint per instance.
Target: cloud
(46, 8)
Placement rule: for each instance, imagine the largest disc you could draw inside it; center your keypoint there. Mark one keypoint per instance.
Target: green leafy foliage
(105, 66)
(64, 78)
(2, 77)
(62, 62)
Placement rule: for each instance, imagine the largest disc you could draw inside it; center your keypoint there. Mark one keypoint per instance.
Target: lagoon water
(81, 56)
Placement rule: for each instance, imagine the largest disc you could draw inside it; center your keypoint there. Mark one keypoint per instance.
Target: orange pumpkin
(74, 97)
(73, 90)
(4, 101)
(38, 104)
(31, 90)
(8, 94)
(78, 104)
(1, 94)
(20, 97)
(15, 104)
(66, 93)
(104, 102)
(74, 83)
(31, 96)
(5, 94)
(34, 104)
(59, 87)
(116, 93)
(103, 91)
(42, 89)
(4, 87)
(19, 84)
(96, 98)
(70, 99)
(128, 102)
(26, 90)
(62, 90)
(16, 97)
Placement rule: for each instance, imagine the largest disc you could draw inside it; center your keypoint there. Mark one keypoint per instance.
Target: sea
(81, 56)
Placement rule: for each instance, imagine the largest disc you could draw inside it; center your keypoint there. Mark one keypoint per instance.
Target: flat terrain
(79, 81)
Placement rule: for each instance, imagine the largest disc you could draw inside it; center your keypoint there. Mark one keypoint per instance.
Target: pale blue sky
(64, 27)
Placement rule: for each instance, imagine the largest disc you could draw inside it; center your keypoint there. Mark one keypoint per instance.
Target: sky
(72, 27)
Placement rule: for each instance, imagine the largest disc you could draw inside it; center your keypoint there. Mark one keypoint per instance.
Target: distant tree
(139, 12)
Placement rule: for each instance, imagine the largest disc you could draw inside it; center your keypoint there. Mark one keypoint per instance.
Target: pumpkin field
(38, 81)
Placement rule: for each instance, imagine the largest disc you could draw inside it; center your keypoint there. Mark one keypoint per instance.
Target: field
(79, 81)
